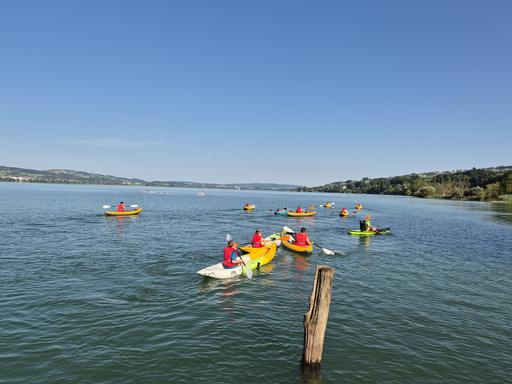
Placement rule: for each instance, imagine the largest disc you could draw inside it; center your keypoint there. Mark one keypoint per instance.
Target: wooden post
(315, 321)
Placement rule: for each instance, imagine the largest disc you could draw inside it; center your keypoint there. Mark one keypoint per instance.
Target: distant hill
(482, 184)
(67, 176)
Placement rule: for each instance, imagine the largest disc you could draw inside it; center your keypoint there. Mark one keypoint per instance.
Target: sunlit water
(89, 298)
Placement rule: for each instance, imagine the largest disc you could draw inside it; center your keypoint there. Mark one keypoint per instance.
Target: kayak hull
(327, 205)
(282, 212)
(126, 213)
(296, 248)
(249, 207)
(343, 213)
(252, 261)
(371, 233)
(293, 214)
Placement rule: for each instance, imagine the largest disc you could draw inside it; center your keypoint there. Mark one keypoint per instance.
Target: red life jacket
(256, 241)
(120, 208)
(299, 210)
(301, 240)
(227, 257)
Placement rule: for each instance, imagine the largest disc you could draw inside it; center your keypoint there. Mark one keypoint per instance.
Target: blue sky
(255, 91)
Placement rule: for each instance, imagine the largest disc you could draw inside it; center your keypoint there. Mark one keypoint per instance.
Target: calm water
(89, 298)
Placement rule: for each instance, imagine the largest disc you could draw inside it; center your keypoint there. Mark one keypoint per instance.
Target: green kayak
(364, 233)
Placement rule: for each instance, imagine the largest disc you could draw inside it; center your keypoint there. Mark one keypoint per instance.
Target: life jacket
(256, 241)
(227, 257)
(299, 210)
(343, 210)
(120, 208)
(301, 240)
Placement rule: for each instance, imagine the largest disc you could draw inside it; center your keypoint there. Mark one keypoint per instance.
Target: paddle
(328, 252)
(248, 271)
(115, 206)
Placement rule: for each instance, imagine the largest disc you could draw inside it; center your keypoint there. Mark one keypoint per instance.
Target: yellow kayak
(296, 248)
(252, 260)
(300, 214)
(327, 205)
(344, 213)
(249, 207)
(125, 213)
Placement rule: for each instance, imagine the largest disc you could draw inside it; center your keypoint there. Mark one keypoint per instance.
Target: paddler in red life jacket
(343, 210)
(120, 207)
(302, 239)
(247, 205)
(299, 210)
(257, 240)
(230, 254)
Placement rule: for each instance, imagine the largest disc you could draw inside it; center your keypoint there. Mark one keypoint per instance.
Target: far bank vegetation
(484, 184)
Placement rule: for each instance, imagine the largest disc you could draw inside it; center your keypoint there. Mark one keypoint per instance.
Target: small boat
(358, 206)
(249, 207)
(125, 213)
(253, 260)
(327, 205)
(370, 233)
(344, 213)
(283, 212)
(272, 239)
(296, 248)
(294, 214)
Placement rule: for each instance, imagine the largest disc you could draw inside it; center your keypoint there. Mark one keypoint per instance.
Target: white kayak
(253, 260)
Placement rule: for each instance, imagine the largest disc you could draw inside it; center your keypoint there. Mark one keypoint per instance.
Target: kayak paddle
(248, 271)
(328, 252)
(115, 206)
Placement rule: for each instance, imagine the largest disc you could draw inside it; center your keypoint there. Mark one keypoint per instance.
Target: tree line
(475, 184)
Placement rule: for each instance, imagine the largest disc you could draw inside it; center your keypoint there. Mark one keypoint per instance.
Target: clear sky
(226, 91)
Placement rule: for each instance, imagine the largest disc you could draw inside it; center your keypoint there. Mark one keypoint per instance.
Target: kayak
(250, 207)
(282, 212)
(371, 233)
(296, 248)
(359, 207)
(125, 213)
(344, 213)
(272, 239)
(252, 260)
(327, 205)
(300, 214)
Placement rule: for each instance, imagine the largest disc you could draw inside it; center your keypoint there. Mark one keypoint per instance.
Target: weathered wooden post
(315, 321)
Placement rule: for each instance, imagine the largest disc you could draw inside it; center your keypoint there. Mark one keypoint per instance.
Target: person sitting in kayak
(358, 206)
(302, 239)
(230, 254)
(247, 205)
(257, 240)
(299, 210)
(120, 207)
(367, 226)
(343, 210)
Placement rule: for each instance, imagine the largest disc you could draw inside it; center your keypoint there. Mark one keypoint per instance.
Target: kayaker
(302, 239)
(120, 207)
(299, 210)
(367, 226)
(230, 254)
(247, 205)
(257, 240)
(343, 210)
(358, 206)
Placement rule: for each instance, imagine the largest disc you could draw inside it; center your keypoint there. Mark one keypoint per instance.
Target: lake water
(89, 298)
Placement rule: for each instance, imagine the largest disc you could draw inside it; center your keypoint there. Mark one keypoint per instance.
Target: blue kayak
(284, 212)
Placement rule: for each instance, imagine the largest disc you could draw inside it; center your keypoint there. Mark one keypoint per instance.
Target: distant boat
(201, 194)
